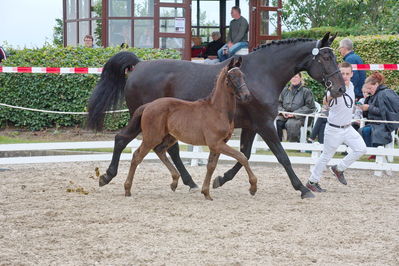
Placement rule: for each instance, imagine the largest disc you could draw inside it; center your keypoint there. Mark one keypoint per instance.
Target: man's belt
(345, 126)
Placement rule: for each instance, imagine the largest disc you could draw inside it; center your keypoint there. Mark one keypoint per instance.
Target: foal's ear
(324, 41)
(238, 62)
(231, 64)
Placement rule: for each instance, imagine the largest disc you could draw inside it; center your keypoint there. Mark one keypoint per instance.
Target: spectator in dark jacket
(382, 104)
(213, 47)
(346, 50)
(3, 55)
(297, 99)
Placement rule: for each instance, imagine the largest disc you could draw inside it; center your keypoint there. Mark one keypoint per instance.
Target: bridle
(326, 77)
(237, 89)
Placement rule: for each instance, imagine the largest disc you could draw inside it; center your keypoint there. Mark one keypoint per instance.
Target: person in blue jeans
(237, 37)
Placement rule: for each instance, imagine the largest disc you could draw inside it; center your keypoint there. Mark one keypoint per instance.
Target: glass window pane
(71, 34)
(205, 34)
(96, 26)
(171, 1)
(119, 32)
(209, 13)
(194, 11)
(229, 5)
(272, 3)
(144, 33)
(268, 24)
(83, 30)
(119, 8)
(96, 8)
(171, 12)
(71, 9)
(173, 43)
(84, 9)
(143, 8)
(172, 25)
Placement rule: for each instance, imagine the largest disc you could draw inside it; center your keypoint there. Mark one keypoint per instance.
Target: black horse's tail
(109, 90)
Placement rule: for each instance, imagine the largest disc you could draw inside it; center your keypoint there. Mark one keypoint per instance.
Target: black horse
(267, 71)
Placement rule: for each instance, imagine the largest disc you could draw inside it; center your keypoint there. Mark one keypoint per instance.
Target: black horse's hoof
(102, 181)
(307, 195)
(217, 182)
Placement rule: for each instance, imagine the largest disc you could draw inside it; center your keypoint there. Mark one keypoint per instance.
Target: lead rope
(335, 100)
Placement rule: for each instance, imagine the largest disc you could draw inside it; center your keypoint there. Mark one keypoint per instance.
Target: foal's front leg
(212, 162)
(240, 157)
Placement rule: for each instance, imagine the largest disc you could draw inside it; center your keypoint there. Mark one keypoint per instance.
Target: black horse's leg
(121, 140)
(185, 176)
(246, 141)
(269, 134)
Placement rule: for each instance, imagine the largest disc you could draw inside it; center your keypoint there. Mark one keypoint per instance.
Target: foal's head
(235, 80)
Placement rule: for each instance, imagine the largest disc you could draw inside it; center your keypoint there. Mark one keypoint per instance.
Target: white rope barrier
(127, 110)
(353, 120)
(57, 112)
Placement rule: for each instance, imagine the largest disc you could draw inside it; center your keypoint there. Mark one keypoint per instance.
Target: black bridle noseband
(326, 77)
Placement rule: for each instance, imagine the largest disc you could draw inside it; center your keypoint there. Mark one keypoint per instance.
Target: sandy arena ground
(42, 223)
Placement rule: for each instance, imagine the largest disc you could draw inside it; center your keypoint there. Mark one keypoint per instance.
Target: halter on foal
(207, 122)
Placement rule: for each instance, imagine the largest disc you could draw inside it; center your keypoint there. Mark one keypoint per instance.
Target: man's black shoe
(315, 187)
(338, 174)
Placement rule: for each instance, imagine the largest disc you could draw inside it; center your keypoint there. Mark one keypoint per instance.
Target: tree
(367, 16)
(58, 33)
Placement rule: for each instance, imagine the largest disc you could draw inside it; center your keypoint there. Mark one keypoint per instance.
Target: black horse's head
(322, 66)
(235, 80)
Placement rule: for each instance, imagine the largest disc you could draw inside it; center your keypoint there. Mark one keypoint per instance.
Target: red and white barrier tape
(52, 70)
(92, 70)
(376, 67)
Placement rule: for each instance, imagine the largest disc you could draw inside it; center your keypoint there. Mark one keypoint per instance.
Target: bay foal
(209, 122)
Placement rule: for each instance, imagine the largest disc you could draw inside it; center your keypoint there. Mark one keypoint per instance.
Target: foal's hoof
(252, 191)
(102, 181)
(307, 195)
(173, 186)
(217, 182)
(128, 194)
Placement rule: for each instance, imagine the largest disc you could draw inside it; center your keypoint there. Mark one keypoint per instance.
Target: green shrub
(373, 50)
(315, 33)
(60, 92)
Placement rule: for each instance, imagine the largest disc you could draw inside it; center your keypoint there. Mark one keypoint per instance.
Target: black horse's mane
(285, 41)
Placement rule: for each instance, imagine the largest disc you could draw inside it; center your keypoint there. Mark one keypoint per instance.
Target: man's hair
(347, 43)
(345, 65)
(88, 37)
(237, 8)
(216, 34)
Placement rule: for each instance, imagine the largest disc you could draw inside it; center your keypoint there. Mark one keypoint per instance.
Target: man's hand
(286, 116)
(364, 107)
(229, 44)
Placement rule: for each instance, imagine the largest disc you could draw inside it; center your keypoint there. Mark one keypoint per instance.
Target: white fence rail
(379, 166)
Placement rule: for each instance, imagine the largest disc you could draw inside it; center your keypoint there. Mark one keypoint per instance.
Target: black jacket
(383, 105)
(213, 47)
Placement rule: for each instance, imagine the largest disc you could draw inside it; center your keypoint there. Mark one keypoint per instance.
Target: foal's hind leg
(138, 157)
(240, 157)
(212, 162)
(160, 150)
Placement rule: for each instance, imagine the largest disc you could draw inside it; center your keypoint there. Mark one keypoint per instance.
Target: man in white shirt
(339, 131)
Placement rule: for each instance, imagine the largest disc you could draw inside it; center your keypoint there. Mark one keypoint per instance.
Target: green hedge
(315, 33)
(382, 49)
(61, 92)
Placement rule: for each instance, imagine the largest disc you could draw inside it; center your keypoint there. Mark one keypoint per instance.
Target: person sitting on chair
(297, 99)
(237, 37)
(211, 52)
(383, 104)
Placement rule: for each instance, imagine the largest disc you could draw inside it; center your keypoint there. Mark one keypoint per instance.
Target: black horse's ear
(238, 62)
(332, 38)
(324, 41)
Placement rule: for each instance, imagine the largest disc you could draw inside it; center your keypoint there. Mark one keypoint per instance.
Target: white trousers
(333, 137)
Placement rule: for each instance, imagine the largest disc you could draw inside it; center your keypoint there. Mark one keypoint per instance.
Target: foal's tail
(109, 90)
(135, 122)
